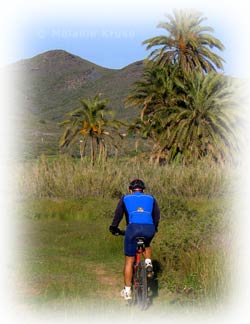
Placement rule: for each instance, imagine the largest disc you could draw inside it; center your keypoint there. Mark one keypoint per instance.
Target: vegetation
(49, 85)
(187, 44)
(73, 258)
(69, 205)
(188, 111)
(187, 116)
(65, 178)
(90, 122)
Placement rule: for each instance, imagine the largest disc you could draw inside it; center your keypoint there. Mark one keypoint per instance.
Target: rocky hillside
(49, 85)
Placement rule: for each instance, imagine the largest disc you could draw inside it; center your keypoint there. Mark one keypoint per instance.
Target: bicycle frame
(139, 276)
(139, 280)
(139, 250)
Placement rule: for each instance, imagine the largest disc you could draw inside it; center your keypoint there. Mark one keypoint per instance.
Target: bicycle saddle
(140, 239)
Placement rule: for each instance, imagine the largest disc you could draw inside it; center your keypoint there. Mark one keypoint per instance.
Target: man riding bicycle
(142, 218)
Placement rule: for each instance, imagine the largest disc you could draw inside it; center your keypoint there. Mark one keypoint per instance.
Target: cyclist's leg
(148, 233)
(128, 270)
(147, 253)
(129, 251)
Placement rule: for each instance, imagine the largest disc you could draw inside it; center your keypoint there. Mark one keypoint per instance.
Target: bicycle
(140, 278)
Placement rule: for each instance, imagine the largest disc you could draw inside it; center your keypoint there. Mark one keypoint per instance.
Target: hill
(48, 85)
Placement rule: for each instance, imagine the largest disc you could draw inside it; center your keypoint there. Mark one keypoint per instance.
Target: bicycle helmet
(136, 184)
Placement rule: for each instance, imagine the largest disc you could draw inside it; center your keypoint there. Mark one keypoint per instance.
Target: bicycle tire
(142, 287)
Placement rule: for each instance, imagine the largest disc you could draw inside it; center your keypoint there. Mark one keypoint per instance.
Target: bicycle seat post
(139, 275)
(140, 241)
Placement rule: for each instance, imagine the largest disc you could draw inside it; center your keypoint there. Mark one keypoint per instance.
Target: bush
(190, 247)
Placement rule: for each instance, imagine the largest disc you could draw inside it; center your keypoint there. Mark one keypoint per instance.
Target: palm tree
(89, 122)
(205, 120)
(186, 44)
(186, 115)
(187, 108)
(153, 93)
(154, 90)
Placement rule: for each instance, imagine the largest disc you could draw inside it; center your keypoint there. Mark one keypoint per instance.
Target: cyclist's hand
(114, 230)
(122, 232)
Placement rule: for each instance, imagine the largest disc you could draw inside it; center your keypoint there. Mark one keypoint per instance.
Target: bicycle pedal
(150, 274)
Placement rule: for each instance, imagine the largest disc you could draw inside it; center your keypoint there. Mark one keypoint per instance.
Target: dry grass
(68, 178)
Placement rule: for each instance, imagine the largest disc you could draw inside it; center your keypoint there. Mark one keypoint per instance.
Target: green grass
(69, 260)
(73, 258)
(69, 256)
(192, 249)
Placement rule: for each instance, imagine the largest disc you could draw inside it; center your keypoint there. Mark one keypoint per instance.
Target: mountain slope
(49, 85)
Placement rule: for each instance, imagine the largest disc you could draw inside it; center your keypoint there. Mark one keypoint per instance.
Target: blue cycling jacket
(139, 207)
(130, 209)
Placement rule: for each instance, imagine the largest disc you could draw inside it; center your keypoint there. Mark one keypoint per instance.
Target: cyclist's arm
(156, 214)
(118, 213)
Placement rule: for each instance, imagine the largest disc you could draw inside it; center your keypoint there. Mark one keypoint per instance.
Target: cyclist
(142, 218)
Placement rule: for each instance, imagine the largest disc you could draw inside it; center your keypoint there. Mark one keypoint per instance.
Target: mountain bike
(140, 277)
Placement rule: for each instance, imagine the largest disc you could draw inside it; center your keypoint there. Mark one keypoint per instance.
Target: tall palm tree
(153, 93)
(154, 90)
(187, 43)
(205, 120)
(186, 115)
(89, 122)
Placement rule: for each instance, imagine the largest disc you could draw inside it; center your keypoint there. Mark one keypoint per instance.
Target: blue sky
(110, 33)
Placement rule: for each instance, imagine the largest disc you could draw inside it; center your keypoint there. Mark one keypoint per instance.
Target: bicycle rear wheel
(141, 291)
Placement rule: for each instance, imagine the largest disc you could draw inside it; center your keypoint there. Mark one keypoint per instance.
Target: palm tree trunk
(151, 158)
(136, 145)
(92, 151)
(105, 152)
(116, 153)
(101, 148)
(153, 154)
(158, 156)
(82, 148)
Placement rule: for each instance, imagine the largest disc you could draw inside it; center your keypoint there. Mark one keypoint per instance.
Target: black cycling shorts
(135, 230)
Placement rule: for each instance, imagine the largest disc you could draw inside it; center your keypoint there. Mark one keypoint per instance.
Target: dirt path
(110, 280)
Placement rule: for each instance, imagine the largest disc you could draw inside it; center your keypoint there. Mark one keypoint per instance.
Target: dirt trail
(110, 281)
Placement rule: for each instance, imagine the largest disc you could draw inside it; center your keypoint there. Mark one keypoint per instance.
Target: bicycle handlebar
(119, 232)
(116, 231)
(122, 232)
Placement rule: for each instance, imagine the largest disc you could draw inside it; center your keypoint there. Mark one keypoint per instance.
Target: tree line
(188, 108)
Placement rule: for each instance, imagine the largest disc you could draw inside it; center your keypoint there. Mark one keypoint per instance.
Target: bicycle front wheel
(142, 287)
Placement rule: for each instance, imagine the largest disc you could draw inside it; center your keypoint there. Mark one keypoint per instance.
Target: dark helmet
(136, 184)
